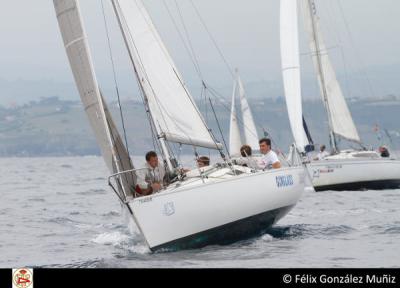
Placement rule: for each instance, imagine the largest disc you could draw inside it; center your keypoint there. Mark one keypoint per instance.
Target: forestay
(234, 133)
(112, 148)
(290, 61)
(339, 115)
(173, 109)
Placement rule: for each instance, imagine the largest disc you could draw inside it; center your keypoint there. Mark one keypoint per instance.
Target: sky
(364, 36)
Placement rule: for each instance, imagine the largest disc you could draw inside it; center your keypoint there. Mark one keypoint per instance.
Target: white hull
(354, 174)
(208, 213)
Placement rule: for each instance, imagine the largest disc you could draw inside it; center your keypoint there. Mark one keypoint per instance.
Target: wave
(92, 192)
(111, 238)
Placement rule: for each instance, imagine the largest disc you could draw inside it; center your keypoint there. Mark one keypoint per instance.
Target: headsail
(234, 133)
(112, 148)
(340, 120)
(249, 127)
(290, 61)
(174, 112)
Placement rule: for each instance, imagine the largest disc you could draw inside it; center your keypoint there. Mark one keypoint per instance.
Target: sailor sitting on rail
(153, 177)
(247, 159)
(269, 158)
(384, 151)
(322, 153)
(203, 161)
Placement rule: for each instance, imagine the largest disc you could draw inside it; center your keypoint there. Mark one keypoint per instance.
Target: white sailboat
(346, 169)
(249, 127)
(221, 203)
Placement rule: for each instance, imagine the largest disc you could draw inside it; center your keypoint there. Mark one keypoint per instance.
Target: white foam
(267, 238)
(114, 238)
(139, 249)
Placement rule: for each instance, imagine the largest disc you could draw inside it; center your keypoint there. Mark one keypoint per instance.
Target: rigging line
(213, 39)
(141, 66)
(143, 70)
(217, 95)
(205, 107)
(122, 22)
(156, 143)
(158, 38)
(115, 76)
(219, 127)
(114, 141)
(190, 49)
(311, 53)
(187, 36)
(334, 31)
(146, 77)
(210, 132)
(346, 24)
(314, 21)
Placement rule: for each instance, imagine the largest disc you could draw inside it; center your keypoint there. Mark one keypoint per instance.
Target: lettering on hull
(284, 181)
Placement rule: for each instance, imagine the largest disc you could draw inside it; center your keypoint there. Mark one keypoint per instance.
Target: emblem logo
(22, 278)
(169, 209)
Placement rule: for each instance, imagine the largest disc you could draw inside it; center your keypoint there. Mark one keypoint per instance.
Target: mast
(311, 7)
(171, 109)
(152, 120)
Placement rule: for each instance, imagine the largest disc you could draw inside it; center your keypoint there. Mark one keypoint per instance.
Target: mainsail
(173, 110)
(340, 120)
(234, 133)
(112, 148)
(249, 127)
(290, 61)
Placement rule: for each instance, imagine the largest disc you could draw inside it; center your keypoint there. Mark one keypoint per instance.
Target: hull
(350, 174)
(218, 212)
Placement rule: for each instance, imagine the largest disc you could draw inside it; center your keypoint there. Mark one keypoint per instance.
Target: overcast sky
(247, 32)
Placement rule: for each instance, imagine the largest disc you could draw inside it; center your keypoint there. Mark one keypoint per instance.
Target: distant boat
(221, 203)
(344, 169)
(249, 127)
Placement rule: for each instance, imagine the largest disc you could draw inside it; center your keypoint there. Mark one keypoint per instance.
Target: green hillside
(51, 127)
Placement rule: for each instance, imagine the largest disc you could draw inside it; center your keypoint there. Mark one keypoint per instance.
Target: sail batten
(340, 120)
(172, 108)
(290, 61)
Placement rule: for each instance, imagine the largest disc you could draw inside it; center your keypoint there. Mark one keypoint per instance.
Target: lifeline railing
(123, 196)
(117, 177)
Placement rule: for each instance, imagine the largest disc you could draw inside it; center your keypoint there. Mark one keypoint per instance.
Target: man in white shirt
(269, 158)
(322, 153)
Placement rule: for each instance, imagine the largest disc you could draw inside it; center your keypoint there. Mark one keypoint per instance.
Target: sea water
(59, 212)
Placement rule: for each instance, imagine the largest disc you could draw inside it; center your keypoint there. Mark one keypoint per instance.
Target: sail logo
(284, 181)
(169, 209)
